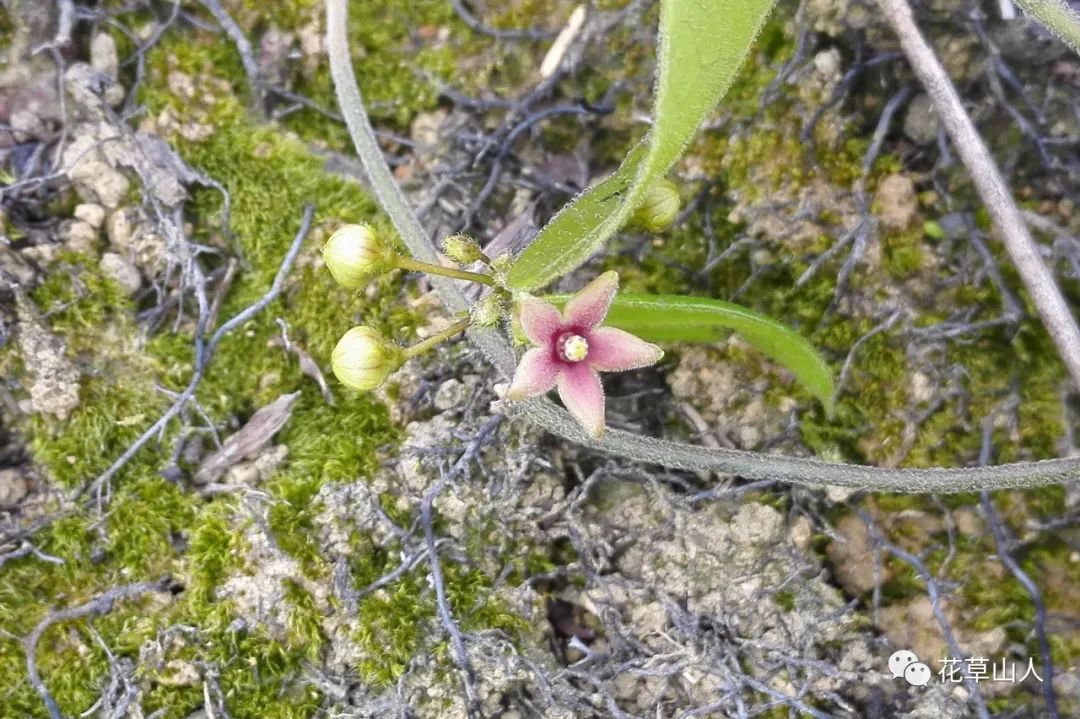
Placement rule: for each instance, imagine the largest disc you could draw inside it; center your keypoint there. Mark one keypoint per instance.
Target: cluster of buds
(355, 255)
(570, 347)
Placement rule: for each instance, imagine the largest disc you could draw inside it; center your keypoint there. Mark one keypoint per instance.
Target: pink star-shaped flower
(572, 348)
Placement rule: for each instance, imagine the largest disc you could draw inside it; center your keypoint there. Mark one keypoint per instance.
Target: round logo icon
(917, 674)
(900, 660)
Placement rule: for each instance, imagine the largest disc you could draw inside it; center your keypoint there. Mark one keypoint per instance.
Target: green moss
(402, 52)
(117, 396)
(396, 622)
(902, 253)
(156, 527)
(785, 599)
(79, 300)
(110, 417)
(151, 520)
(394, 46)
(7, 28)
(304, 623)
(215, 549)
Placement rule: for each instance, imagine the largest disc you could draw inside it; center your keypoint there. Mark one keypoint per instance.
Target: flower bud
(356, 253)
(362, 359)
(488, 312)
(659, 208)
(500, 266)
(462, 249)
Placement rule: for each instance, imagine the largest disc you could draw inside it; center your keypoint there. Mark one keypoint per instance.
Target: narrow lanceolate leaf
(702, 45)
(577, 230)
(675, 318)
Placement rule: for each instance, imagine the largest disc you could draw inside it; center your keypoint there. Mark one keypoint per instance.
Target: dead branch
(307, 364)
(101, 604)
(478, 25)
(1005, 546)
(65, 22)
(243, 47)
(26, 549)
(934, 591)
(446, 616)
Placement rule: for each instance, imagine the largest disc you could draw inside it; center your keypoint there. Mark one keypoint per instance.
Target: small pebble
(91, 214)
(121, 272)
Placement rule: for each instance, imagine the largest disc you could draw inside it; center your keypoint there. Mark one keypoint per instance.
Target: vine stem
(995, 194)
(544, 414)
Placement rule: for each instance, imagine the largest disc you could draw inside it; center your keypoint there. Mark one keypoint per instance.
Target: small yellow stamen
(575, 348)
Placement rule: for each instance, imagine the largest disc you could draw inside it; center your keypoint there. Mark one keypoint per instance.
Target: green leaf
(676, 318)
(702, 45)
(583, 223)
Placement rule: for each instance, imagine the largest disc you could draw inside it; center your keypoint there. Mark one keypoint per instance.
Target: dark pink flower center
(571, 347)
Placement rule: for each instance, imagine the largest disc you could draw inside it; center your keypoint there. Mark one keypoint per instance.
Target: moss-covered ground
(155, 528)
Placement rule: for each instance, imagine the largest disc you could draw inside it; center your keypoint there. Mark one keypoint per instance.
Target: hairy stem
(407, 263)
(544, 414)
(1056, 15)
(437, 339)
(995, 194)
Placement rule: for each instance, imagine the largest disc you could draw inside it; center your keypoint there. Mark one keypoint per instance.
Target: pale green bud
(659, 208)
(356, 253)
(488, 312)
(462, 249)
(500, 266)
(363, 360)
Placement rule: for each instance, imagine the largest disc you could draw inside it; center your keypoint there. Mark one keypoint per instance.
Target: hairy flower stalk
(406, 263)
(572, 349)
(438, 338)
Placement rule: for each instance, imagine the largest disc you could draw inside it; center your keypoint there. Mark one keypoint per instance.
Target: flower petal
(588, 307)
(536, 374)
(581, 392)
(615, 350)
(540, 320)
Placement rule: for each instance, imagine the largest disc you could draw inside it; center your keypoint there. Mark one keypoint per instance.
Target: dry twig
(101, 604)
